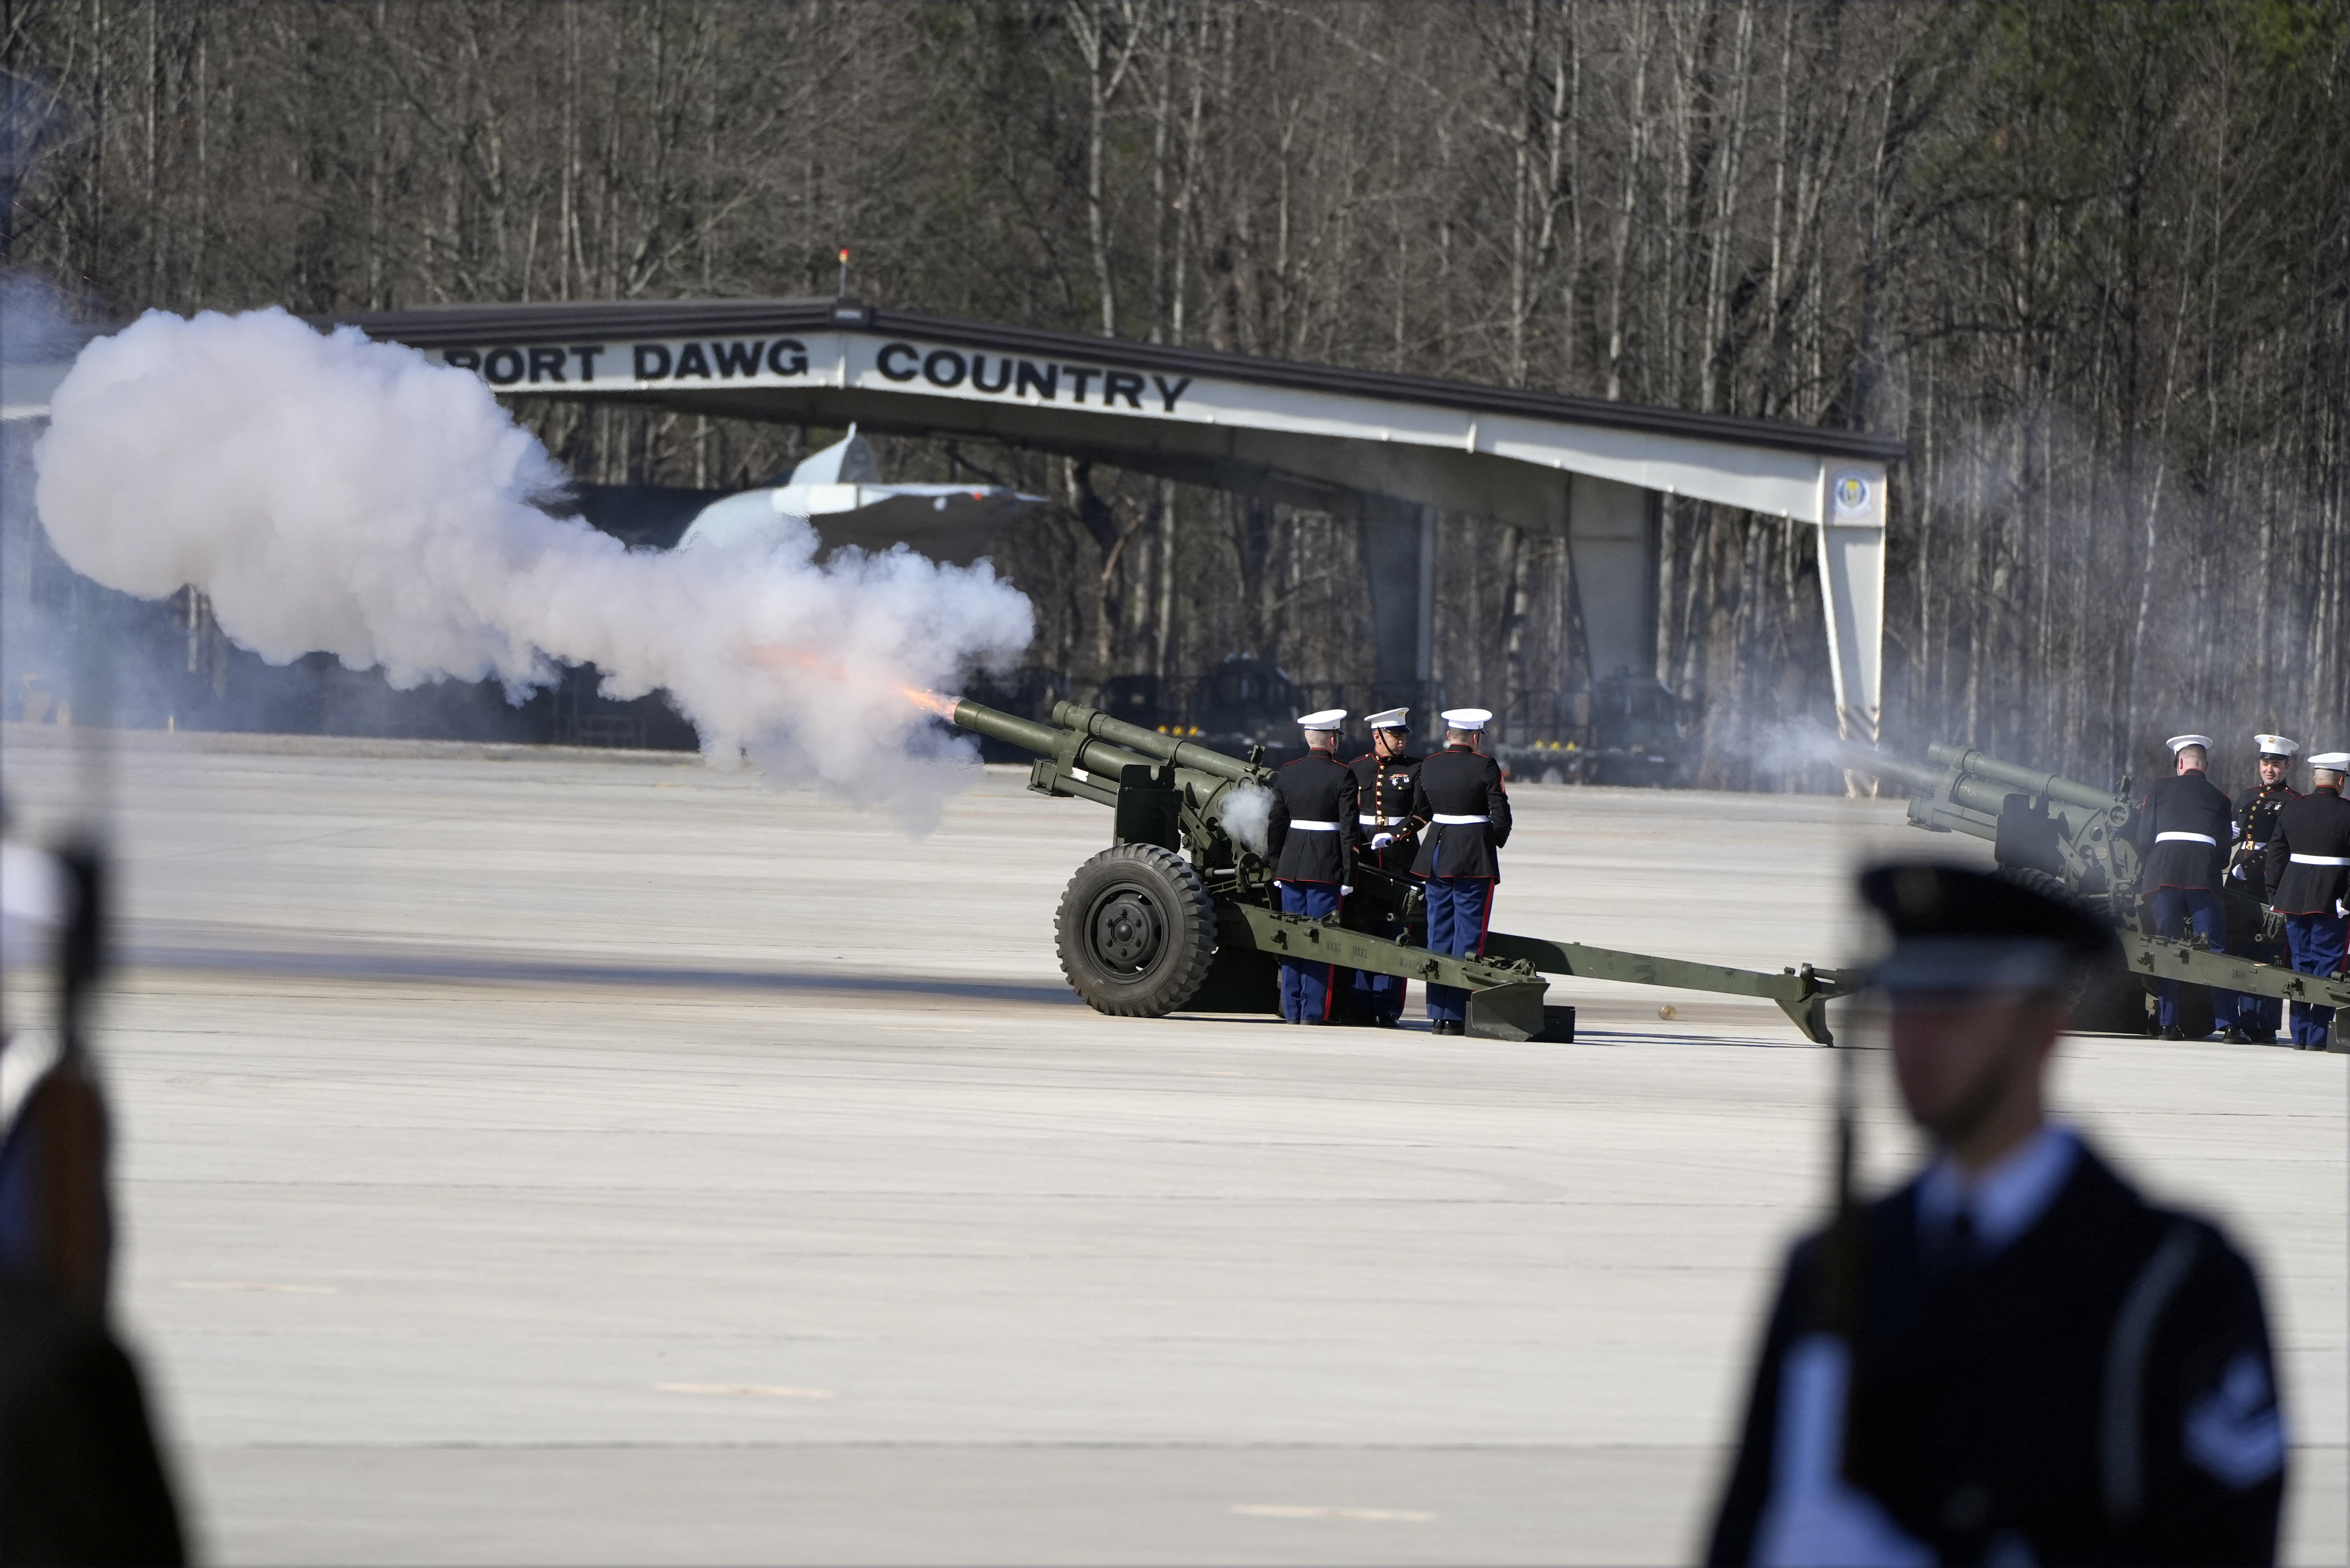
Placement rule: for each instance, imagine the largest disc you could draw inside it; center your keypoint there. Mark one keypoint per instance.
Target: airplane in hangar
(839, 491)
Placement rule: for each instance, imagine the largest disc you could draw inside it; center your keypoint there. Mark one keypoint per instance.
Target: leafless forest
(2091, 260)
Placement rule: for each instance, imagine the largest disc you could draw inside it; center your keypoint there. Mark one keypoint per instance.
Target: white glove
(1344, 890)
(1816, 1519)
(1381, 840)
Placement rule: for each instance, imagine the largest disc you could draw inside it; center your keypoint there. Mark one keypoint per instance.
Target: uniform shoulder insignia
(2235, 1432)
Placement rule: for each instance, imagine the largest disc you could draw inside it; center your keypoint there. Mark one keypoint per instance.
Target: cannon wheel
(1136, 931)
(2110, 1000)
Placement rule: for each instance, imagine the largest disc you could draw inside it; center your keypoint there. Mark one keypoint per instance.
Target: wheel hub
(1126, 929)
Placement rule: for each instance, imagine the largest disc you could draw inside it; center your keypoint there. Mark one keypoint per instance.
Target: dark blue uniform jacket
(2191, 809)
(1464, 785)
(2254, 825)
(2317, 829)
(1315, 788)
(1384, 787)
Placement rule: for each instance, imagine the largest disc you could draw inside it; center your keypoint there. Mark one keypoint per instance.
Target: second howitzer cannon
(2074, 840)
(1181, 913)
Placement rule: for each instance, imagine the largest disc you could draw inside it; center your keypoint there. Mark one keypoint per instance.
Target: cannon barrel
(1971, 779)
(2055, 786)
(1094, 756)
(1980, 796)
(1150, 742)
(1915, 777)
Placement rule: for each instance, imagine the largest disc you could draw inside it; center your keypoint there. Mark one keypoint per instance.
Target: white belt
(1445, 821)
(1304, 827)
(1381, 822)
(2321, 859)
(2187, 838)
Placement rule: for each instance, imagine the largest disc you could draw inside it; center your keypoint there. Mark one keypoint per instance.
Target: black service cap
(1956, 928)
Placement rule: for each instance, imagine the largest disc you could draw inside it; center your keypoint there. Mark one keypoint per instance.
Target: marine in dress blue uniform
(2181, 824)
(1386, 777)
(1460, 797)
(2309, 877)
(1312, 838)
(2251, 1018)
(2014, 1357)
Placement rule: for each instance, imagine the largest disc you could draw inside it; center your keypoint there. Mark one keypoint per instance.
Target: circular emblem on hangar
(1852, 493)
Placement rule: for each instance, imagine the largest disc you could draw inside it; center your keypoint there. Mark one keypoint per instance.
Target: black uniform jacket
(2254, 825)
(2100, 1388)
(1465, 785)
(2317, 826)
(81, 1478)
(1384, 787)
(1317, 788)
(2186, 802)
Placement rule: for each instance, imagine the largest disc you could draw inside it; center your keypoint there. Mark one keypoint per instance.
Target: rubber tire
(2034, 881)
(2111, 999)
(1136, 931)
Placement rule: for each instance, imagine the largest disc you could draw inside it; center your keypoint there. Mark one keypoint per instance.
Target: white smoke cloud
(335, 494)
(1246, 812)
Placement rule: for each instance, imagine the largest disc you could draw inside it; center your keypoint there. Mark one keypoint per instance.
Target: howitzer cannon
(2074, 840)
(1181, 914)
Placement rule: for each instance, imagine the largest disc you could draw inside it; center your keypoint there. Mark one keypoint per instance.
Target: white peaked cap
(2332, 761)
(2180, 742)
(2274, 745)
(1329, 719)
(1393, 719)
(1467, 718)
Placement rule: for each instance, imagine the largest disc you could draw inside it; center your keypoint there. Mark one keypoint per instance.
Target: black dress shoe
(2237, 1037)
(1444, 1026)
(2174, 1033)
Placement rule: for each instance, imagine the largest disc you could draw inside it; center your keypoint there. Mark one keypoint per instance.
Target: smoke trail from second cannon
(333, 495)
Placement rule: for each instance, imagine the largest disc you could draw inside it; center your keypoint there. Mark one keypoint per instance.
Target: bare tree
(2090, 259)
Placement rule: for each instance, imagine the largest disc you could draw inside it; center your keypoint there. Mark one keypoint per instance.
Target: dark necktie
(1966, 1245)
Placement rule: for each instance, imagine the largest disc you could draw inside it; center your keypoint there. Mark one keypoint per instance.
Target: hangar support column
(1611, 534)
(1852, 593)
(1399, 560)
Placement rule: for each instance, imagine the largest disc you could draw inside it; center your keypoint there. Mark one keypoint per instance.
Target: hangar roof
(480, 325)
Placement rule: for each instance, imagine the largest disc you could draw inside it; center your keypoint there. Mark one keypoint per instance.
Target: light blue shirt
(2005, 1200)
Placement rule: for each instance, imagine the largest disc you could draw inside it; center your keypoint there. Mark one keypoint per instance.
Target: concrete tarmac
(541, 1157)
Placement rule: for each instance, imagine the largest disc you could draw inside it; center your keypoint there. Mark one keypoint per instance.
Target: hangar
(1391, 449)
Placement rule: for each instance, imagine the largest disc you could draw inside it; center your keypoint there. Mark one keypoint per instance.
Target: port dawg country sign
(837, 359)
